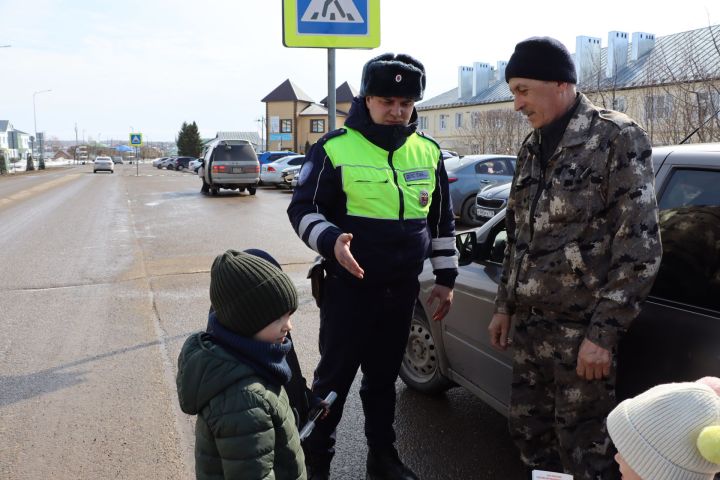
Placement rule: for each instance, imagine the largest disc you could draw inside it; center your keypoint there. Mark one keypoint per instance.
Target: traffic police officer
(372, 199)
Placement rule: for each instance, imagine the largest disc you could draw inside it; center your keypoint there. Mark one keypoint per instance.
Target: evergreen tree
(182, 139)
(30, 164)
(3, 165)
(189, 142)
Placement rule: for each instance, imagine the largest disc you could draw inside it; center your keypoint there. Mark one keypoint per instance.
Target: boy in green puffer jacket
(232, 375)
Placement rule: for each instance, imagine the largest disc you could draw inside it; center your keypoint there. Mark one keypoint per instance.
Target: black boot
(385, 464)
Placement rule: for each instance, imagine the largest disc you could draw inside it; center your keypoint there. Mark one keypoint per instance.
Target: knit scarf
(267, 359)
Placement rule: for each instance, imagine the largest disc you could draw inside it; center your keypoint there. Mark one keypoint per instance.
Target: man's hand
(345, 258)
(445, 296)
(593, 362)
(498, 329)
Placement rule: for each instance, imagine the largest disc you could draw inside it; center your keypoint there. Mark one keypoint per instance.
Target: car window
(296, 161)
(490, 167)
(233, 153)
(690, 232)
(691, 187)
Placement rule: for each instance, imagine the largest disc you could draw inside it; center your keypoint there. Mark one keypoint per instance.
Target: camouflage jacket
(583, 236)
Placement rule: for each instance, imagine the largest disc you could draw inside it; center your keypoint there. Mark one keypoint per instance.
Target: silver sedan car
(103, 164)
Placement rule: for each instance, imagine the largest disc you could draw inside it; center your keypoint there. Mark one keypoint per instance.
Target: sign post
(136, 141)
(331, 24)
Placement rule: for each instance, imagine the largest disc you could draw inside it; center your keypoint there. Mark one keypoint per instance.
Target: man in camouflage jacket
(583, 251)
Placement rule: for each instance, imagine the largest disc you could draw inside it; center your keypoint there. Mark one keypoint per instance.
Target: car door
(466, 343)
(493, 171)
(676, 337)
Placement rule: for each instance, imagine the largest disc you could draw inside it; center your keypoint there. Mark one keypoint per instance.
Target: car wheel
(251, 190)
(468, 213)
(179, 168)
(420, 368)
(214, 191)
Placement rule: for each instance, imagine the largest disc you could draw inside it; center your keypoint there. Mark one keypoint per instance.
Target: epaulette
(330, 135)
(428, 137)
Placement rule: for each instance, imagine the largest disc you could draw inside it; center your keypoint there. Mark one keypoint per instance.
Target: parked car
(230, 164)
(289, 176)
(675, 338)
(490, 200)
(270, 156)
(165, 162)
(158, 161)
(467, 175)
(179, 163)
(271, 174)
(448, 154)
(103, 164)
(117, 160)
(194, 165)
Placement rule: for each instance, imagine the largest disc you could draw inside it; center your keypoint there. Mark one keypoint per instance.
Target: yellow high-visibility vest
(381, 186)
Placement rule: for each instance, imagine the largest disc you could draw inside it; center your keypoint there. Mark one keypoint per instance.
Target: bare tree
(495, 131)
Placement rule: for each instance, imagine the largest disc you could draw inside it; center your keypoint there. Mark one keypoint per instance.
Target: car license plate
(485, 212)
(237, 169)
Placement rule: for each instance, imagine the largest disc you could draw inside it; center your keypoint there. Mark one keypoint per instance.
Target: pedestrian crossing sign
(331, 23)
(136, 139)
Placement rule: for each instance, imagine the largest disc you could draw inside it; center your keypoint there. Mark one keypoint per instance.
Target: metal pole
(331, 89)
(41, 165)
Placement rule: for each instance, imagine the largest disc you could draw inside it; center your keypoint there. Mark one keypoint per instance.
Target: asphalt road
(103, 276)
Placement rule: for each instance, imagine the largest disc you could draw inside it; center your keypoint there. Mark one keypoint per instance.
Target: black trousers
(360, 327)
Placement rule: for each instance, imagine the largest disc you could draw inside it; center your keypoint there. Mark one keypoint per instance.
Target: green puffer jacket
(245, 428)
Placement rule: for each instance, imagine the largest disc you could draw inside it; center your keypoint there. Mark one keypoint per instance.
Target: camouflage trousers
(557, 419)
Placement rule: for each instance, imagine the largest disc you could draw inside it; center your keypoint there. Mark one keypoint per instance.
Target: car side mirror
(466, 244)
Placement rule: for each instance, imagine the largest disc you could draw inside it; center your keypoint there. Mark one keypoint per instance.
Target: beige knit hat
(670, 432)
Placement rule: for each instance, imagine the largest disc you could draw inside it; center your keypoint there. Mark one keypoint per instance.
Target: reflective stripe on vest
(382, 185)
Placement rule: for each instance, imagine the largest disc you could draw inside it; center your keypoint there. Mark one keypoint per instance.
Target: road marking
(38, 189)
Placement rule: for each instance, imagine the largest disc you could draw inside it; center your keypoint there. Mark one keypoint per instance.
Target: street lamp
(42, 159)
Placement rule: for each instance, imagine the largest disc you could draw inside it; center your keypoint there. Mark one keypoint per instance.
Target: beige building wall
(284, 111)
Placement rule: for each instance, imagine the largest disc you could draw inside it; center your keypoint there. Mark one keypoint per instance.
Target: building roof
(679, 57)
(287, 91)
(343, 94)
(4, 125)
(316, 109)
(251, 137)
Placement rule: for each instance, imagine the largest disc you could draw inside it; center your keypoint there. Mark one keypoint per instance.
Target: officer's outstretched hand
(445, 296)
(593, 362)
(345, 258)
(498, 330)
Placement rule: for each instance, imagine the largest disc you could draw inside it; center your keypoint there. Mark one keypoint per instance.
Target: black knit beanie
(249, 293)
(390, 75)
(541, 58)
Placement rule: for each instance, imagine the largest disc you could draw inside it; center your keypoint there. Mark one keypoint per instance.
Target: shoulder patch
(428, 137)
(330, 135)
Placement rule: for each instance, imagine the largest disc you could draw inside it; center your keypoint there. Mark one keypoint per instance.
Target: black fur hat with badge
(390, 75)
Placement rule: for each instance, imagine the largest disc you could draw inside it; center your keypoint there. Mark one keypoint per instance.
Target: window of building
(458, 120)
(286, 125)
(620, 104)
(475, 119)
(443, 122)
(422, 123)
(317, 126)
(658, 107)
(475, 149)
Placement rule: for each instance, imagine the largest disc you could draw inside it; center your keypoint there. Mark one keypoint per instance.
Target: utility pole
(76, 144)
(41, 166)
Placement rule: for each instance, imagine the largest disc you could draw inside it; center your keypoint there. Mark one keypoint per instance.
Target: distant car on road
(469, 174)
(179, 163)
(194, 165)
(271, 174)
(289, 176)
(103, 164)
(230, 164)
(272, 155)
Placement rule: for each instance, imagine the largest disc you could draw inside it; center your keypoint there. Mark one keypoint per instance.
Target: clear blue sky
(153, 64)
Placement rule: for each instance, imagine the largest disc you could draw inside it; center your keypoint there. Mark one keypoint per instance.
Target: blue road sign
(136, 139)
(332, 17)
